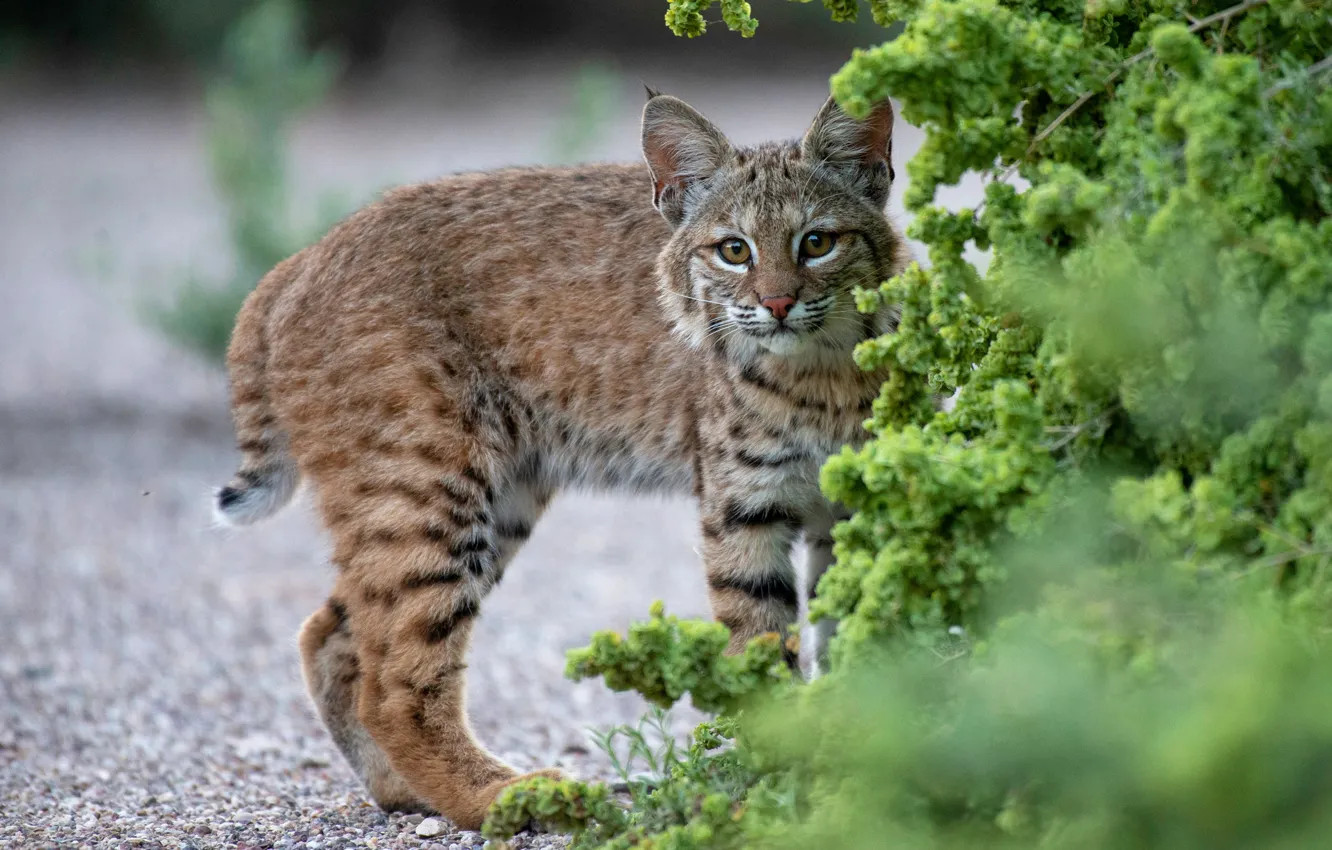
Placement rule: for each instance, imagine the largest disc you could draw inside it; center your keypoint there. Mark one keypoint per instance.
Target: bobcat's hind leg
(332, 666)
(332, 676)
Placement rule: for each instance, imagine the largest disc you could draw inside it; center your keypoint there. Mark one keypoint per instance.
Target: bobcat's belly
(612, 460)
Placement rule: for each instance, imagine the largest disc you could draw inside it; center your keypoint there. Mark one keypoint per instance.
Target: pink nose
(780, 305)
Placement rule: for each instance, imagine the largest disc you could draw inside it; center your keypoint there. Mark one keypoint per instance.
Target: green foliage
(685, 17)
(267, 79)
(1215, 735)
(665, 658)
(589, 113)
(1085, 604)
(683, 799)
(1144, 292)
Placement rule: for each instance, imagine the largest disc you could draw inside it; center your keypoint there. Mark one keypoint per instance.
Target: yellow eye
(734, 251)
(817, 243)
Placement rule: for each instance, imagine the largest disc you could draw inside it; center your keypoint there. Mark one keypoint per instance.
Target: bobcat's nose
(780, 305)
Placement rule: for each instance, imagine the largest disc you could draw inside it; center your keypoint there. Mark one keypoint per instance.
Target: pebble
(429, 828)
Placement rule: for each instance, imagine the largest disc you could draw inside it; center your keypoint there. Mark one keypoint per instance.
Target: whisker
(701, 300)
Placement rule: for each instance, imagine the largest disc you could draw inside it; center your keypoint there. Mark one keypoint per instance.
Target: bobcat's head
(770, 241)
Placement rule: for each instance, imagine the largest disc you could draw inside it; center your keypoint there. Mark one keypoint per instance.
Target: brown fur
(447, 358)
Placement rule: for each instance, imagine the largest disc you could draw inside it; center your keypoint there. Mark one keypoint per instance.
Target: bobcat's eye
(817, 243)
(734, 251)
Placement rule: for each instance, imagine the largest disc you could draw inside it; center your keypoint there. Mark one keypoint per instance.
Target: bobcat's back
(524, 286)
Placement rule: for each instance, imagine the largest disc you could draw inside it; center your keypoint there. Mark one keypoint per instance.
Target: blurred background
(156, 157)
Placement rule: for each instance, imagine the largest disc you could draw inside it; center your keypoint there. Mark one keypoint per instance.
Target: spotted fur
(446, 359)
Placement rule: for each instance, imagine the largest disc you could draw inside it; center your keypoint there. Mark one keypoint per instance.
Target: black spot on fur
(511, 428)
(351, 670)
(435, 533)
(227, 497)
(438, 631)
(769, 587)
(751, 374)
(737, 516)
(432, 579)
(516, 530)
(458, 493)
(756, 461)
(471, 545)
(475, 475)
(478, 563)
(339, 611)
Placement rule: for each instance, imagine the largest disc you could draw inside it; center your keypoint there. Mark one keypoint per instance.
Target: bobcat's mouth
(785, 329)
(804, 319)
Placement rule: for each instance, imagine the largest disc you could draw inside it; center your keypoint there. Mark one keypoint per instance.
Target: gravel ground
(150, 693)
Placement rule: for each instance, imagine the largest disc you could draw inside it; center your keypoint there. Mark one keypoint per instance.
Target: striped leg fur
(332, 676)
(751, 580)
(332, 666)
(422, 531)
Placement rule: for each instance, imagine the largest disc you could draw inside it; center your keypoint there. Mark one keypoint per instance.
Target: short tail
(268, 476)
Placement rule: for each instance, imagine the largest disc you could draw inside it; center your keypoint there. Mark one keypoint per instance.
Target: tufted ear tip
(861, 147)
(651, 92)
(681, 147)
(837, 137)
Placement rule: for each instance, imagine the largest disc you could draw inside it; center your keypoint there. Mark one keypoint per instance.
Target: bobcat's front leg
(747, 539)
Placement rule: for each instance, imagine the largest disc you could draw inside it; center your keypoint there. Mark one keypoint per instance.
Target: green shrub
(266, 80)
(1089, 605)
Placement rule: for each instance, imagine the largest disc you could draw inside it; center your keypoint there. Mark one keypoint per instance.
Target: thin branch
(1072, 432)
(1298, 548)
(1221, 40)
(1286, 557)
(1223, 15)
(1312, 71)
(1226, 14)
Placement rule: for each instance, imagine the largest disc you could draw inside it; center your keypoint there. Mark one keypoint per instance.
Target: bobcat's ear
(861, 149)
(681, 148)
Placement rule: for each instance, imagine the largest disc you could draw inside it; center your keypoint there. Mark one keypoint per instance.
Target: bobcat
(446, 359)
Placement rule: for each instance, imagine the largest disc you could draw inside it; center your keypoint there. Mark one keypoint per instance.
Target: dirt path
(149, 685)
